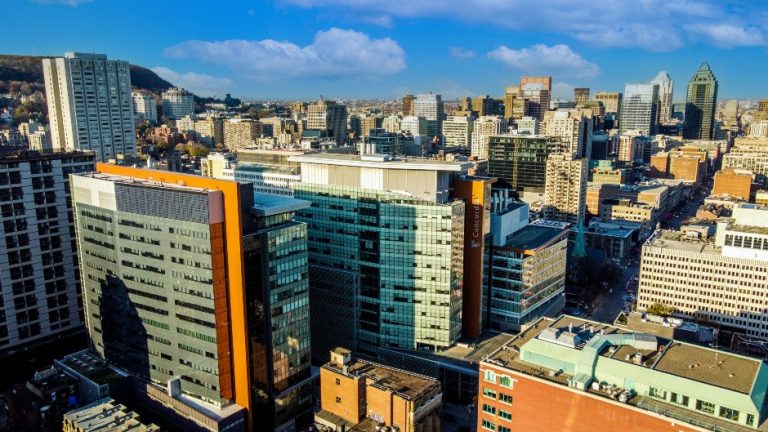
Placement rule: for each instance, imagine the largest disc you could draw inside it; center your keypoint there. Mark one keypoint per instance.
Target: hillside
(29, 69)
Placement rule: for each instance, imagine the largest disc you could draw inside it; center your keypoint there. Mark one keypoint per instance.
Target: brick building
(735, 183)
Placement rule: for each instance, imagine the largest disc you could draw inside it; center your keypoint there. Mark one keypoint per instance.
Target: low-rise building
(570, 374)
(732, 182)
(625, 209)
(355, 391)
(616, 238)
(103, 415)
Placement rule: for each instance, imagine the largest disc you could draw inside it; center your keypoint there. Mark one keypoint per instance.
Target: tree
(660, 310)
(197, 150)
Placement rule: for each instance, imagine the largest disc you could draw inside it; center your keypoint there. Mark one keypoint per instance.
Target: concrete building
(515, 106)
(611, 101)
(720, 279)
(607, 174)
(40, 300)
(457, 131)
(686, 163)
(391, 123)
(700, 105)
(177, 290)
(359, 395)
(734, 183)
(483, 105)
(639, 107)
(368, 123)
(482, 130)
(90, 105)
(408, 105)
(215, 164)
(387, 240)
(210, 131)
(144, 106)
(582, 376)
(431, 107)
(178, 103)
(565, 188)
(105, 414)
(330, 118)
(528, 125)
(40, 402)
(581, 95)
(625, 209)
(241, 133)
(521, 160)
(538, 91)
(761, 197)
(749, 154)
(527, 274)
(615, 238)
(666, 86)
(573, 129)
(415, 125)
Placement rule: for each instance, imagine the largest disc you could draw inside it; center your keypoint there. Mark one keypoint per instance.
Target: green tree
(197, 150)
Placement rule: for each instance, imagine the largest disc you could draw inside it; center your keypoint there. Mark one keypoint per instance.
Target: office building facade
(195, 284)
(666, 86)
(178, 103)
(40, 299)
(431, 107)
(639, 107)
(90, 106)
(457, 131)
(565, 188)
(521, 160)
(330, 117)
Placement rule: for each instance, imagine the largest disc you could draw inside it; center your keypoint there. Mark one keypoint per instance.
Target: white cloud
(461, 53)
(728, 35)
(653, 25)
(562, 90)
(71, 3)
(379, 20)
(199, 84)
(333, 53)
(542, 59)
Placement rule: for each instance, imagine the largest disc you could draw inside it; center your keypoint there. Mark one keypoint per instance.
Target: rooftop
(408, 385)
(106, 414)
(680, 241)
(533, 237)
(709, 366)
(265, 204)
(382, 162)
(92, 367)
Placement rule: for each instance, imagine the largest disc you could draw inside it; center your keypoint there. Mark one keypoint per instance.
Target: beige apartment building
(565, 188)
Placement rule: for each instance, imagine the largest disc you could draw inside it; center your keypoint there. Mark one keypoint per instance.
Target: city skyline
(346, 49)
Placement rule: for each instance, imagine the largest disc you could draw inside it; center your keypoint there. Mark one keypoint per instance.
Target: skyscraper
(197, 285)
(90, 106)
(457, 131)
(612, 102)
(515, 106)
(700, 104)
(40, 298)
(483, 128)
(538, 91)
(565, 190)
(665, 97)
(431, 107)
(330, 117)
(573, 128)
(581, 94)
(144, 106)
(521, 160)
(178, 103)
(638, 109)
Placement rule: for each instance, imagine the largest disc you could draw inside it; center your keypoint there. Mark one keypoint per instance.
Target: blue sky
(387, 48)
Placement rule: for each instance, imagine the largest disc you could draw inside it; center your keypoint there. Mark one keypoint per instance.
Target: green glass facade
(700, 105)
(521, 160)
(408, 254)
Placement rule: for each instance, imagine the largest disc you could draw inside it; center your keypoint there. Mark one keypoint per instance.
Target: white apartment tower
(572, 127)
(178, 103)
(89, 104)
(457, 131)
(565, 188)
(665, 97)
(483, 129)
(144, 106)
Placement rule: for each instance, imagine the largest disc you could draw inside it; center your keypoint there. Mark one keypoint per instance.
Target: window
(657, 393)
(729, 413)
(504, 429)
(338, 399)
(506, 415)
(750, 419)
(507, 399)
(338, 381)
(506, 381)
(489, 409)
(705, 407)
(489, 393)
(488, 425)
(680, 399)
(489, 376)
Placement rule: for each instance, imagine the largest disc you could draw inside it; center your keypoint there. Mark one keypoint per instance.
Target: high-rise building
(638, 108)
(391, 123)
(408, 105)
(414, 125)
(528, 125)
(363, 395)
(386, 251)
(483, 105)
(40, 299)
(90, 105)
(700, 104)
(515, 106)
(484, 127)
(210, 131)
(178, 103)
(198, 285)
(592, 376)
(144, 106)
(241, 133)
(368, 123)
(665, 83)
(521, 160)
(565, 189)
(581, 95)
(538, 91)
(457, 131)
(573, 128)
(611, 101)
(749, 154)
(431, 107)
(329, 117)
(720, 279)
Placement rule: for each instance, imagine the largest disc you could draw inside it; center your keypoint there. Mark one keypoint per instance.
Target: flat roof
(709, 366)
(679, 241)
(265, 204)
(395, 163)
(407, 384)
(532, 237)
(92, 367)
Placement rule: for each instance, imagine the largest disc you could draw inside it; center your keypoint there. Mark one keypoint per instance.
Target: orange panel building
(733, 183)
